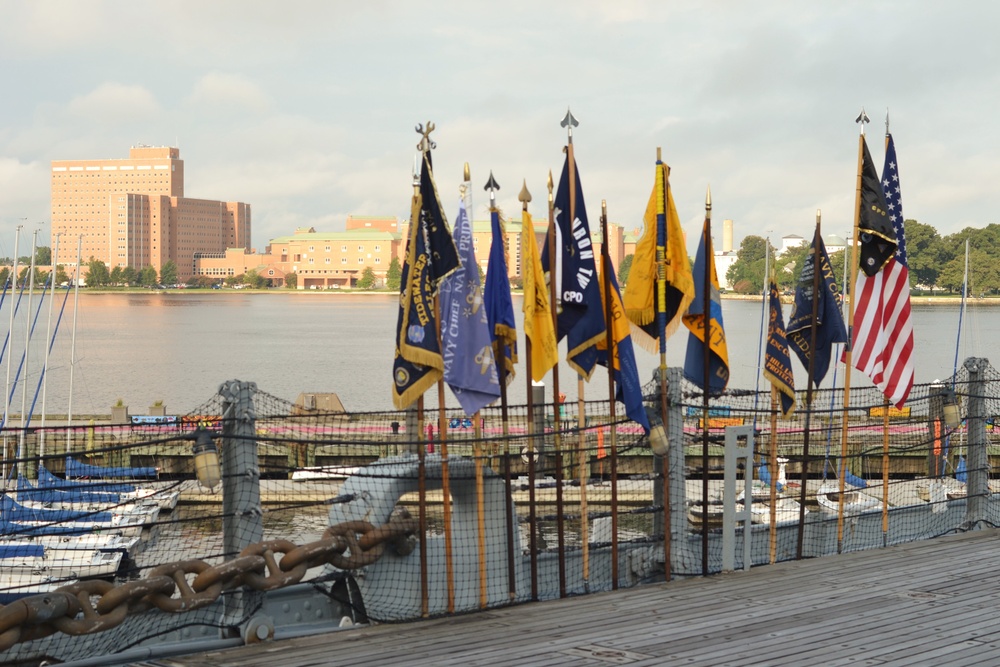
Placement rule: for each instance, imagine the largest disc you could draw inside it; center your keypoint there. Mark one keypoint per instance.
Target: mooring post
(242, 518)
(977, 489)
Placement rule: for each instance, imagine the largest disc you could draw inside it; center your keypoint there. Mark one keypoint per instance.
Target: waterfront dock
(923, 603)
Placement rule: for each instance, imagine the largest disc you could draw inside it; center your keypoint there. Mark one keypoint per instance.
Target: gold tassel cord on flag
(639, 296)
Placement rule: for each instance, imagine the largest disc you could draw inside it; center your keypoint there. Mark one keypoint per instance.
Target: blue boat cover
(41, 494)
(10, 510)
(47, 480)
(21, 550)
(76, 469)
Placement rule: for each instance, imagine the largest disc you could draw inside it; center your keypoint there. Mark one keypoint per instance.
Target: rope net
(503, 507)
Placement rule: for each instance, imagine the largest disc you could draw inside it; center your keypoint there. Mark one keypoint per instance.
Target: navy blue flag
(578, 292)
(430, 257)
(777, 362)
(469, 368)
(628, 390)
(499, 307)
(830, 327)
(697, 323)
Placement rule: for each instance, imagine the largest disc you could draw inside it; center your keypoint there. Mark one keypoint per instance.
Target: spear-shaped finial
(862, 119)
(708, 202)
(465, 180)
(425, 142)
(887, 121)
(492, 186)
(549, 184)
(524, 196)
(569, 122)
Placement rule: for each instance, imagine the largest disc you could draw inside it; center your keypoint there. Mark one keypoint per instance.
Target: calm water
(179, 346)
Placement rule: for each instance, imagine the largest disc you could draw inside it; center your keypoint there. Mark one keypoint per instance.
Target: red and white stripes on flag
(883, 329)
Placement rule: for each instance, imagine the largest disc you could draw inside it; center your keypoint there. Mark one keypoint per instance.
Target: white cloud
(113, 102)
(227, 93)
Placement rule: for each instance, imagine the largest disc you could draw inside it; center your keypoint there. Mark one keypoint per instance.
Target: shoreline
(920, 300)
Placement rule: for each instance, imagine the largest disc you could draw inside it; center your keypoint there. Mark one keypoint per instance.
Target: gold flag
(538, 325)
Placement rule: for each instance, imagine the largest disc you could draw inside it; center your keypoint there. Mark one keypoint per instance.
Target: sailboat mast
(48, 343)
(72, 349)
(961, 312)
(27, 345)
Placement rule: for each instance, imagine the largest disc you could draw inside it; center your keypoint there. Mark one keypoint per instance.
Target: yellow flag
(640, 298)
(538, 325)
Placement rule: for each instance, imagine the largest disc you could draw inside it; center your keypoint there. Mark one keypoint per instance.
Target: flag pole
(885, 424)
(606, 269)
(418, 436)
(662, 185)
(772, 459)
(707, 323)
(809, 386)
(477, 447)
(500, 358)
(848, 350)
(569, 122)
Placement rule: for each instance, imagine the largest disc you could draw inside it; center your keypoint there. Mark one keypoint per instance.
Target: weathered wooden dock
(923, 603)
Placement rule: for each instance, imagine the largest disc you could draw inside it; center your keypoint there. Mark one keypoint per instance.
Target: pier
(924, 603)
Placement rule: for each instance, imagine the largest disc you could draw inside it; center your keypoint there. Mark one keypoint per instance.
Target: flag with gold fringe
(430, 257)
(777, 362)
(628, 390)
(538, 326)
(707, 334)
(469, 369)
(499, 307)
(579, 318)
(641, 298)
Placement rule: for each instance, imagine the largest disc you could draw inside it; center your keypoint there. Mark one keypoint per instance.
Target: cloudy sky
(306, 109)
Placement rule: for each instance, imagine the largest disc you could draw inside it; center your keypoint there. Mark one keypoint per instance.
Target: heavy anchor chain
(93, 606)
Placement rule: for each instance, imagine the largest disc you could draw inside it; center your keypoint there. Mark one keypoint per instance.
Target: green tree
(788, 267)
(746, 274)
(147, 276)
(394, 274)
(116, 276)
(232, 281)
(926, 253)
(168, 273)
(624, 269)
(43, 255)
(97, 273)
(367, 279)
(254, 279)
(291, 280)
(61, 276)
(4, 276)
(130, 276)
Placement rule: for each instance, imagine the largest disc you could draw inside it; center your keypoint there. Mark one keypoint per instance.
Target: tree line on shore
(936, 263)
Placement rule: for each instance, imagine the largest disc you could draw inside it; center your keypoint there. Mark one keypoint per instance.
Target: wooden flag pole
(809, 388)
(606, 269)
(661, 325)
(707, 331)
(848, 350)
(500, 359)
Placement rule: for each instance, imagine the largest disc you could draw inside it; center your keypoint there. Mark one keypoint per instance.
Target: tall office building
(133, 212)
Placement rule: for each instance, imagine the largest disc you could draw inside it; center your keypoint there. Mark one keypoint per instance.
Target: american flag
(883, 328)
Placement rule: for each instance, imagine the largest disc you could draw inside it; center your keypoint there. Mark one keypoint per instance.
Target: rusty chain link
(91, 606)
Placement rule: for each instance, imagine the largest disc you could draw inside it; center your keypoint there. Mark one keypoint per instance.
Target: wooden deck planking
(926, 603)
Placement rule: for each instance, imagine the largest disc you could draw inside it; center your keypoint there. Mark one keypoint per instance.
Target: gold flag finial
(524, 196)
(708, 201)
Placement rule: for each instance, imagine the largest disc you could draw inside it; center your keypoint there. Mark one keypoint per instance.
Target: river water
(179, 346)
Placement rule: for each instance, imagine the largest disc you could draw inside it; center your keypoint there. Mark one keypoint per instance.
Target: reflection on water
(185, 343)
